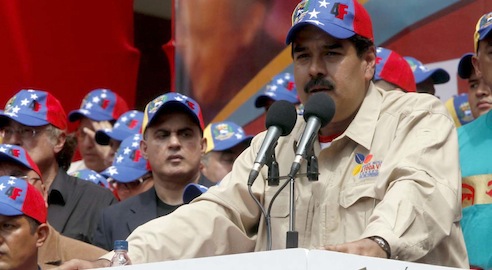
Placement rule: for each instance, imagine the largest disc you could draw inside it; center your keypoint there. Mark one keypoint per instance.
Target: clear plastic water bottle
(120, 253)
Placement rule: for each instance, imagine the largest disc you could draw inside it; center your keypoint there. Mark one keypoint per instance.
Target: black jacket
(74, 205)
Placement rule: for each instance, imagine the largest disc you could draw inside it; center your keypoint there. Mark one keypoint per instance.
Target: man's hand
(95, 127)
(77, 264)
(364, 247)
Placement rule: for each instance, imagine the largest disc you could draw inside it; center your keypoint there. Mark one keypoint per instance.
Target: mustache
(319, 82)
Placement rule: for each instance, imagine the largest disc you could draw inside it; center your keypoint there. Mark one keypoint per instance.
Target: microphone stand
(292, 239)
(273, 171)
(312, 166)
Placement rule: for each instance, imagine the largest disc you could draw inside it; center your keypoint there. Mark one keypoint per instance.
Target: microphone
(318, 112)
(280, 120)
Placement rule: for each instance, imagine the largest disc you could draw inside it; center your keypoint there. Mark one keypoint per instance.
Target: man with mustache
(389, 179)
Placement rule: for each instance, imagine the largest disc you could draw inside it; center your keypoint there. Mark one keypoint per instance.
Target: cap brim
(26, 120)
(172, 103)
(78, 114)
(440, 76)
(7, 157)
(8, 210)
(104, 137)
(125, 174)
(465, 66)
(328, 27)
(484, 32)
(191, 191)
(227, 145)
(437, 75)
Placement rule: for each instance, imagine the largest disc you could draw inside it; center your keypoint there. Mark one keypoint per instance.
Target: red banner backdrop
(67, 48)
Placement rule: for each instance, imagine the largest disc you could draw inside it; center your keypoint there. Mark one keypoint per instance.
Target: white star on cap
(11, 182)
(239, 135)
(3, 149)
(103, 94)
(34, 96)
(112, 170)
(323, 4)
(1, 186)
(95, 99)
(179, 98)
(124, 119)
(15, 109)
(135, 144)
(119, 159)
(127, 150)
(92, 177)
(84, 111)
(88, 105)
(24, 102)
(313, 14)
(280, 81)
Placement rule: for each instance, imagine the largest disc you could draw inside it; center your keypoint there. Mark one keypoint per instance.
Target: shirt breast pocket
(357, 204)
(280, 206)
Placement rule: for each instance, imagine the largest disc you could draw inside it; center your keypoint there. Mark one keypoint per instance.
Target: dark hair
(34, 224)
(361, 44)
(64, 157)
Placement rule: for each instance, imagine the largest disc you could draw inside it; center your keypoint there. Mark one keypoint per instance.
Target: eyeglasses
(128, 186)
(30, 180)
(24, 133)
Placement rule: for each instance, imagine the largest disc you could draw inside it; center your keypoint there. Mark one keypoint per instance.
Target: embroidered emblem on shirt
(366, 167)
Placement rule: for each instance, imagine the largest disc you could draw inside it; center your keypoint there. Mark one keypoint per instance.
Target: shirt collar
(55, 194)
(362, 128)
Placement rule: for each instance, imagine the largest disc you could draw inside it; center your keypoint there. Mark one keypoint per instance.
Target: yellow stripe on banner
(278, 64)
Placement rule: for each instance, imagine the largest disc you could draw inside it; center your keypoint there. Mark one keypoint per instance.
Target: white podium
(288, 259)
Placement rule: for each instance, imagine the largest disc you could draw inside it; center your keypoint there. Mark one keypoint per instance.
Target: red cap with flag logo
(341, 19)
(100, 105)
(35, 108)
(393, 68)
(18, 155)
(18, 197)
(128, 163)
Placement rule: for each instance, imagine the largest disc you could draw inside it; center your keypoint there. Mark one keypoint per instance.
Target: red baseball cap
(393, 68)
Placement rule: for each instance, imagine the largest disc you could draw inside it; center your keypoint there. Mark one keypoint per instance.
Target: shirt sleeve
(420, 180)
(224, 220)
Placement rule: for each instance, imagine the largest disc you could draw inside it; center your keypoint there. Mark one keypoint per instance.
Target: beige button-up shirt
(393, 173)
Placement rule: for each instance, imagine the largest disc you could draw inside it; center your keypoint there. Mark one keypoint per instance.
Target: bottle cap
(120, 244)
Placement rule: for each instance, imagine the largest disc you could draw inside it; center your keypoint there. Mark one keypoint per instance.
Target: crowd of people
(401, 176)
